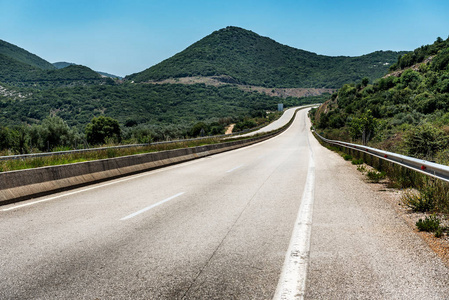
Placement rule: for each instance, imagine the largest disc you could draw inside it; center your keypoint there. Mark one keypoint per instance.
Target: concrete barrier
(25, 184)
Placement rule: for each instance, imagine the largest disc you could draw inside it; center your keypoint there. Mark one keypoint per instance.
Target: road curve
(218, 228)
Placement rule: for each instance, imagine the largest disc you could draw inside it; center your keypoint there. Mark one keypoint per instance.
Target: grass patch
(29, 163)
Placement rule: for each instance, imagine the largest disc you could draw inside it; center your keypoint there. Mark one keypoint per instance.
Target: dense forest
(144, 112)
(137, 103)
(255, 60)
(406, 111)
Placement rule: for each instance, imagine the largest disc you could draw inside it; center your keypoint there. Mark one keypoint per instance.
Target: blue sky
(123, 37)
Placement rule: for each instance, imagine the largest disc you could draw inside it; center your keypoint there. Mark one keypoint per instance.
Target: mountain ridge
(255, 60)
(24, 56)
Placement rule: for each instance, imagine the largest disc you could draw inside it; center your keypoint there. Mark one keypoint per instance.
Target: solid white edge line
(150, 207)
(126, 179)
(292, 282)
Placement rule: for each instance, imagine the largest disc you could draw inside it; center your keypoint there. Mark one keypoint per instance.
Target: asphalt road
(220, 227)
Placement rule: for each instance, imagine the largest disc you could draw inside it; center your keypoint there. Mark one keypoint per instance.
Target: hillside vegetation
(255, 60)
(21, 68)
(24, 56)
(406, 111)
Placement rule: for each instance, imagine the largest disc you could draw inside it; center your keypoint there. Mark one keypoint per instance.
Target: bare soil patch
(227, 80)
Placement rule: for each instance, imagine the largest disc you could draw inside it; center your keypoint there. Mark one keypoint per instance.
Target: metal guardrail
(419, 165)
(44, 154)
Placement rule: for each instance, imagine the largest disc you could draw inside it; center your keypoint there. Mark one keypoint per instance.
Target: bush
(347, 157)
(425, 141)
(418, 202)
(429, 224)
(357, 161)
(375, 176)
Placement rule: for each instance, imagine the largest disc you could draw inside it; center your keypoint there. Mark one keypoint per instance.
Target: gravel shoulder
(362, 245)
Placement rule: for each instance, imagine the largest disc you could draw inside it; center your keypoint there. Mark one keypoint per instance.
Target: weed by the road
(429, 224)
(418, 201)
(361, 168)
(357, 161)
(376, 176)
(347, 156)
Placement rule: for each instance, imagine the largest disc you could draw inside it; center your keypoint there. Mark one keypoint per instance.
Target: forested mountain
(24, 56)
(256, 60)
(63, 64)
(406, 111)
(21, 74)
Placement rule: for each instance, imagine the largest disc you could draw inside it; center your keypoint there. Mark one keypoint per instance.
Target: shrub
(375, 176)
(429, 224)
(424, 141)
(347, 157)
(361, 168)
(417, 201)
(357, 161)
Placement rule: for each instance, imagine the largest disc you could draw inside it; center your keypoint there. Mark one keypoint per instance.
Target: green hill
(406, 111)
(24, 56)
(18, 73)
(256, 60)
(62, 64)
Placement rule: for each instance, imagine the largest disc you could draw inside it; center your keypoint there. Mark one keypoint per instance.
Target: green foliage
(419, 201)
(429, 224)
(51, 133)
(425, 141)
(375, 176)
(140, 104)
(251, 59)
(407, 108)
(24, 56)
(419, 54)
(5, 138)
(357, 161)
(101, 128)
(245, 124)
(364, 126)
(347, 157)
(441, 61)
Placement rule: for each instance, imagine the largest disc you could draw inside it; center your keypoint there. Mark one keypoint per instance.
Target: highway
(284, 218)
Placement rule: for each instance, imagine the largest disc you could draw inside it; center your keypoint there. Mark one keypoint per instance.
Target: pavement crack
(201, 271)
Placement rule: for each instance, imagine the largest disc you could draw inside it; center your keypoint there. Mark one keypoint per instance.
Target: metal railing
(419, 165)
(43, 154)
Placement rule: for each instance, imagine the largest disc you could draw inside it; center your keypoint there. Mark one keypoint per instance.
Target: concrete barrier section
(26, 184)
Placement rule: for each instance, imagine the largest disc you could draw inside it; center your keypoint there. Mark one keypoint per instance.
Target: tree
(199, 128)
(5, 138)
(364, 127)
(55, 131)
(102, 128)
(365, 81)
